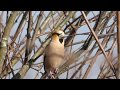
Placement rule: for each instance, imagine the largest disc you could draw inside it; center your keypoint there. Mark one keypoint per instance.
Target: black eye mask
(56, 34)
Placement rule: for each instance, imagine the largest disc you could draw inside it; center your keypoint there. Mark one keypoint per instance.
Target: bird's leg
(51, 75)
(56, 71)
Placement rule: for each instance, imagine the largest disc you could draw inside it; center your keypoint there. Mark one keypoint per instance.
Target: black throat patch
(61, 40)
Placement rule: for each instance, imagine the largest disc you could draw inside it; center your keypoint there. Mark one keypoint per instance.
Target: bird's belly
(54, 57)
(55, 62)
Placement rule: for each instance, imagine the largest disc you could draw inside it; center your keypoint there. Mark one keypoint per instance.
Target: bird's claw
(52, 74)
(56, 71)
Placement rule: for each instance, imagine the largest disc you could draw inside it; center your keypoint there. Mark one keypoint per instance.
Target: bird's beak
(64, 36)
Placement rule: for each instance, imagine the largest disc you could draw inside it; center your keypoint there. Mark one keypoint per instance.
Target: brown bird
(54, 53)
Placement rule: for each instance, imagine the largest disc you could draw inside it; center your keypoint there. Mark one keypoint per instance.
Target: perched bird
(54, 53)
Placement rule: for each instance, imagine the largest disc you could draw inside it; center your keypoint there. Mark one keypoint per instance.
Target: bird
(54, 54)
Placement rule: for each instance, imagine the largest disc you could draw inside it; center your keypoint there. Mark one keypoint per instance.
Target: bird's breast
(54, 56)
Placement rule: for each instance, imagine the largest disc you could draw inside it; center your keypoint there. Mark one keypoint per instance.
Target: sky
(31, 73)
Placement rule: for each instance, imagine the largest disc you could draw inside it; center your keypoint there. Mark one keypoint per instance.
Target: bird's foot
(51, 75)
(56, 71)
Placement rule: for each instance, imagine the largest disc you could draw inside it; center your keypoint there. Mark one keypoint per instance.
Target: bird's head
(58, 35)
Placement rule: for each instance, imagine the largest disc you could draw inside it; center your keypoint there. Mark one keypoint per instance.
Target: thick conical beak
(67, 36)
(64, 36)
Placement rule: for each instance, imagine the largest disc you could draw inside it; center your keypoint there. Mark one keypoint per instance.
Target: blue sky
(82, 29)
